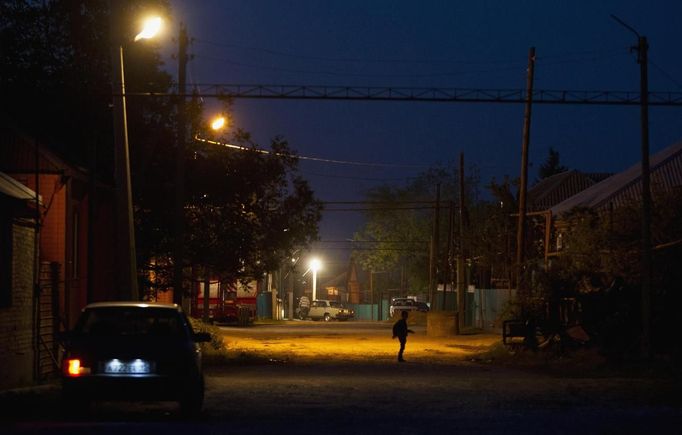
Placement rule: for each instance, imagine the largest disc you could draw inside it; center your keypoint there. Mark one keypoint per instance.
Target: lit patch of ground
(355, 347)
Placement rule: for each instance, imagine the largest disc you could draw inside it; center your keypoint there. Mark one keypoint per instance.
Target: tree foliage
(400, 220)
(244, 210)
(551, 166)
(248, 210)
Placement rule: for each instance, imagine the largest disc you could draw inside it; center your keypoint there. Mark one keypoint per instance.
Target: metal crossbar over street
(429, 94)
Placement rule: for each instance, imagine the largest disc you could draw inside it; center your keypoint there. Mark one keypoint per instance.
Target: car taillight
(73, 367)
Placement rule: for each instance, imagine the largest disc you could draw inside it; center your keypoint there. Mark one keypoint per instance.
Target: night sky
(463, 44)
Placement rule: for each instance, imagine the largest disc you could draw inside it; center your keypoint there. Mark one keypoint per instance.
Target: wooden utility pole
(449, 277)
(642, 58)
(433, 261)
(461, 270)
(523, 187)
(207, 295)
(179, 224)
(643, 48)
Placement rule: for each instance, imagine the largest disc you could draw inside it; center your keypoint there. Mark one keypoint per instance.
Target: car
(322, 309)
(406, 304)
(133, 351)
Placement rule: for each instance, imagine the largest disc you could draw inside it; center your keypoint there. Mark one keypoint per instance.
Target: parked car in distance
(322, 309)
(132, 351)
(406, 304)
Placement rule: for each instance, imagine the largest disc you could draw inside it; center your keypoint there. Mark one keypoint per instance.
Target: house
(552, 190)
(74, 263)
(17, 277)
(623, 188)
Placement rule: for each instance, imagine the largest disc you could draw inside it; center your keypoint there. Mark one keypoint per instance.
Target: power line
(348, 74)
(379, 209)
(344, 177)
(316, 159)
(665, 74)
(565, 56)
(355, 59)
(372, 241)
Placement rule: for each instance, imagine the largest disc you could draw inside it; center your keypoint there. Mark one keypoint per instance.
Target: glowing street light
(218, 123)
(315, 264)
(150, 28)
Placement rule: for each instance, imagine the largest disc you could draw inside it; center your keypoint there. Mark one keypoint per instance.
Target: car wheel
(327, 318)
(73, 404)
(192, 400)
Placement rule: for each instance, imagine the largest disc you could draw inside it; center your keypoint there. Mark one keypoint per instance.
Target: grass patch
(215, 351)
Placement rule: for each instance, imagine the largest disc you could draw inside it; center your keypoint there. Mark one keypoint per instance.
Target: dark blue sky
(465, 44)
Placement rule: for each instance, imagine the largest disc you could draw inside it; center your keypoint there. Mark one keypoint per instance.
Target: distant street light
(315, 265)
(128, 289)
(218, 123)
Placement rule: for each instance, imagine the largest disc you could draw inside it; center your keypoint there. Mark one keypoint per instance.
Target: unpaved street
(318, 388)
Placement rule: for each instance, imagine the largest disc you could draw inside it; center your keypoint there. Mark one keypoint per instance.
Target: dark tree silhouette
(552, 165)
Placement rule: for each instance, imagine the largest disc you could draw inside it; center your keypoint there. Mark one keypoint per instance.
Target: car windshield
(335, 304)
(113, 321)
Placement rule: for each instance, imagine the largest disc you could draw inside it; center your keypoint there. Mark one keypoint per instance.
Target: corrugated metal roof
(559, 187)
(11, 187)
(626, 186)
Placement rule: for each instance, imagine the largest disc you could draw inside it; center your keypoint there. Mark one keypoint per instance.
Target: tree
(56, 57)
(247, 210)
(399, 222)
(551, 166)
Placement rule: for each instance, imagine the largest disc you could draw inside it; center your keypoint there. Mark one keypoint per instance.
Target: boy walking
(400, 330)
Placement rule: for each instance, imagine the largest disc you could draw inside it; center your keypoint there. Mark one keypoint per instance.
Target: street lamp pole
(127, 256)
(125, 230)
(126, 191)
(315, 265)
(179, 224)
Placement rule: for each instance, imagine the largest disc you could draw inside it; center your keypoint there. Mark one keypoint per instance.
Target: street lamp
(218, 123)
(128, 288)
(315, 265)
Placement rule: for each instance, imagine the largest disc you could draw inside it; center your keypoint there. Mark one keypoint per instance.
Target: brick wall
(16, 332)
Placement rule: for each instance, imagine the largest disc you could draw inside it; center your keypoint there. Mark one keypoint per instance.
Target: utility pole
(207, 295)
(523, 187)
(643, 61)
(643, 48)
(449, 266)
(461, 280)
(433, 268)
(179, 223)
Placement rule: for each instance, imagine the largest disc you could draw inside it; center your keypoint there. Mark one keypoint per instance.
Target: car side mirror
(202, 337)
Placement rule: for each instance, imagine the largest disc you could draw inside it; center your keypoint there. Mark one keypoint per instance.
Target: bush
(216, 343)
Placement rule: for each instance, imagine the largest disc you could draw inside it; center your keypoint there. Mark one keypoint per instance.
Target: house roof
(18, 155)
(339, 280)
(12, 188)
(626, 186)
(552, 190)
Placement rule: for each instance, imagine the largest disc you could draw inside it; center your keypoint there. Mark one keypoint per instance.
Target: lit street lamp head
(151, 27)
(315, 264)
(218, 123)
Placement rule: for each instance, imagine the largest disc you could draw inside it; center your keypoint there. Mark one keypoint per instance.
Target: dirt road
(316, 378)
